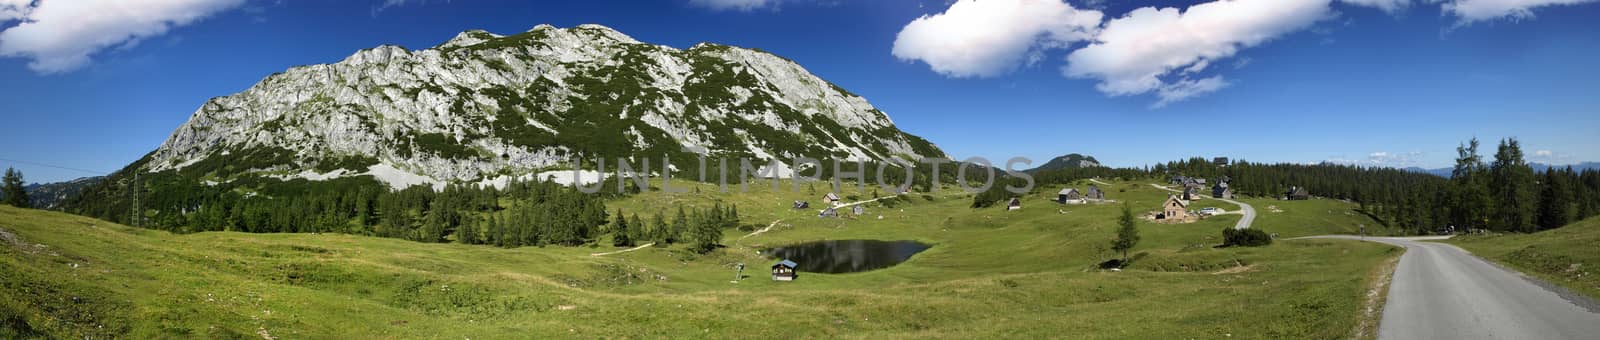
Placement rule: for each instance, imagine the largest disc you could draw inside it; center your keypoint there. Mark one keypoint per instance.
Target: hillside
(67, 276)
(1564, 256)
(1068, 161)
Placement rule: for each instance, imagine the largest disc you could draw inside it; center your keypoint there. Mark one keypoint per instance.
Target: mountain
(51, 195)
(1575, 167)
(1066, 162)
(481, 106)
(1538, 167)
(1441, 172)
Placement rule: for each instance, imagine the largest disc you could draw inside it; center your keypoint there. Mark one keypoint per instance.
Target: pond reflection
(848, 256)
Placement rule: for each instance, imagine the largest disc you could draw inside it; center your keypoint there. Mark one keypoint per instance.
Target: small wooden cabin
(1174, 208)
(1096, 194)
(830, 198)
(1221, 190)
(829, 212)
(784, 270)
(1068, 195)
(1014, 205)
(1190, 194)
(1297, 194)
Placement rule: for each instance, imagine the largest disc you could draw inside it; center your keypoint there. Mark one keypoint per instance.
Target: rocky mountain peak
(481, 106)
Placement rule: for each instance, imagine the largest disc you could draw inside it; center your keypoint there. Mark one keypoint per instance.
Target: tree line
(1504, 193)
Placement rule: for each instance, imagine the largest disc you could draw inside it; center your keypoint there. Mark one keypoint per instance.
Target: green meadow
(1566, 256)
(990, 273)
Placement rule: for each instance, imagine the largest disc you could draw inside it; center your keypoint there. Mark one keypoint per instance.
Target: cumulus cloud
(14, 9)
(988, 38)
(734, 5)
(1155, 49)
(61, 35)
(1481, 10)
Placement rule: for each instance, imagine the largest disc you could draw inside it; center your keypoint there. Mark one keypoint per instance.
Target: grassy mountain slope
(1067, 161)
(1027, 273)
(1566, 256)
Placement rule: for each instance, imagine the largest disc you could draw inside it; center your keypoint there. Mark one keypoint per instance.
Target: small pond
(848, 256)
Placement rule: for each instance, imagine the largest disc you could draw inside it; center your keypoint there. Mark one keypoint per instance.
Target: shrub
(1245, 238)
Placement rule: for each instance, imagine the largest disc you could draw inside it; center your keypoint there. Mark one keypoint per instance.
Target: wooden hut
(1221, 191)
(1014, 205)
(1297, 194)
(829, 212)
(1190, 193)
(1095, 194)
(1068, 195)
(830, 198)
(784, 270)
(1174, 208)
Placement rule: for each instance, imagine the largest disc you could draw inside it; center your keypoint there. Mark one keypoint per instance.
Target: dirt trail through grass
(646, 245)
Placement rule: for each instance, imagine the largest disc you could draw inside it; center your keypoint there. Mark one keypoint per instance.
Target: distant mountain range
(1540, 167)
(50, 195)
(1068, 161)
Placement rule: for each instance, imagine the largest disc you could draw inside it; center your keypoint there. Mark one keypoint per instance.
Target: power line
(96, 172)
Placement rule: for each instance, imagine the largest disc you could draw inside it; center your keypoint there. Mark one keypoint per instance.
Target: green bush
(1245, 238)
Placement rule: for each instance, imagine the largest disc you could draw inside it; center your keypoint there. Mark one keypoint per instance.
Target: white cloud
(387, 4)
(1383, 159)
(60, 35)
(1183, 89)
(988, 38)
(1132, 54)
(1390, 6)
(736, 5)
(14, 9)
(1550, 157)
(1481, 10)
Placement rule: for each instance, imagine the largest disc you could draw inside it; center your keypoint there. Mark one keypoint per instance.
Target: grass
(1564, 256)
(1313, 217)
(991, 273)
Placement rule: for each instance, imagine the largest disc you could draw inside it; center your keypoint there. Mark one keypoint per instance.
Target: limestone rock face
(483, 105)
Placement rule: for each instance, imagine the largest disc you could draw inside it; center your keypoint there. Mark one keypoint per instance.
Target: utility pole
(137, 213)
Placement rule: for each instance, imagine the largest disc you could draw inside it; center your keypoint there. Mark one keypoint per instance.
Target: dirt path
(758, 232)
(646, 245)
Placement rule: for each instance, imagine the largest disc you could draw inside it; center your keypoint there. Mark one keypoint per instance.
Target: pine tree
(15, 195)
(621, 232)
(467, 233)
(1555, 201)
(680, 227)
(658, 229)
(432, 228)
(502, 231)
(706, 230)
(1512, 182)
(636, 230)
(1127, 234)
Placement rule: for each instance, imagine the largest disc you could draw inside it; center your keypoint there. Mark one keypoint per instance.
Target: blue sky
(1377, 82)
